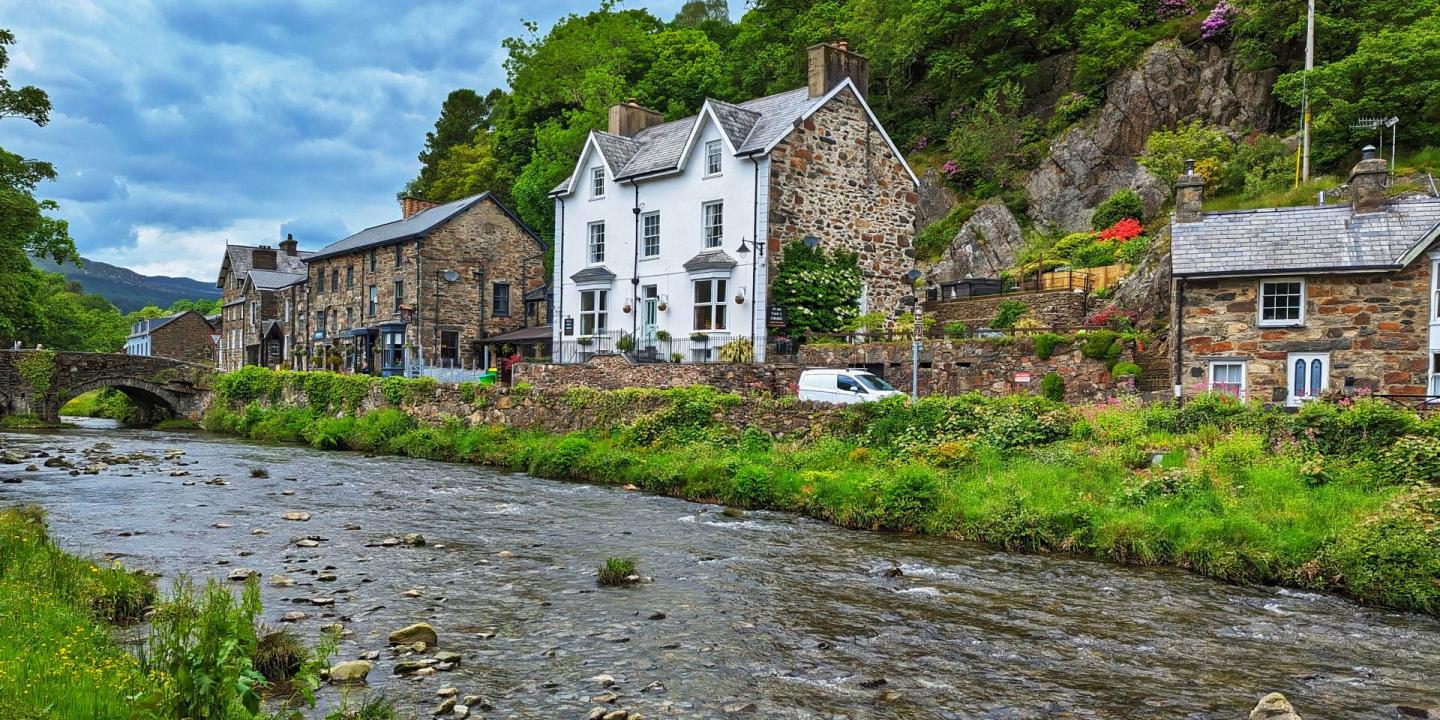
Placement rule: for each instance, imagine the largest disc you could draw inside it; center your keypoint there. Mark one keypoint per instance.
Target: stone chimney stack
(628, 118)
(289, 246)
(1367, 182)
(829, 65)
(263, 258)
(1189, 195)
(414, 206)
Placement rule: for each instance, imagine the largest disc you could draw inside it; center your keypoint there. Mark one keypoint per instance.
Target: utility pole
(1305, 96)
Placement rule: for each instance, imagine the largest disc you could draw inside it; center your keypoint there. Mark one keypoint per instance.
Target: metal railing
(1080, 281)
(686, 349)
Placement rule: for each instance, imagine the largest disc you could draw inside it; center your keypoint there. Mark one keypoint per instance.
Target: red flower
(1123, 230)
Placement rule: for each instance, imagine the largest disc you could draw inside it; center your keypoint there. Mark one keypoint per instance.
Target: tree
(462, 114)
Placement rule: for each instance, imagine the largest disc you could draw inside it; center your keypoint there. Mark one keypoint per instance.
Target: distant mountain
(129, 290)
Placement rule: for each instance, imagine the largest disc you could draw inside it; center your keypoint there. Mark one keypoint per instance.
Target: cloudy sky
(181, 124)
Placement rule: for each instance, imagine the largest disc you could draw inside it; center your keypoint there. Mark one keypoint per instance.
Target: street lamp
(913, 299)
(449, 276)
(744, 250)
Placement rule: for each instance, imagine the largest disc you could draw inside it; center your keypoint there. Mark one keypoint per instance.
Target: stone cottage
(251, 310)
(184, 336)
(657, 225)
(1282, 305)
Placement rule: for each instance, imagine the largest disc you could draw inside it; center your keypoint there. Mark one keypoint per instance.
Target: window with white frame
(1309, 376)
(1228, 377)
(710, 304)
(593, 311)
(713, 216)
(1282, 302)
(650, 234)
(1434, 384)
(597, 243)
(712, 158)
(597, 182)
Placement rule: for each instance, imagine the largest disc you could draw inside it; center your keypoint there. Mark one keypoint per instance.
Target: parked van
(843, 386)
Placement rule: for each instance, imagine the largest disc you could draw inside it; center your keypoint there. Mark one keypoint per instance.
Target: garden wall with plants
(613, 372)
(1050, 309)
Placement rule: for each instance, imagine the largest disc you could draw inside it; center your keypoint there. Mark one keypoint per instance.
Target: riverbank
(1340, 497)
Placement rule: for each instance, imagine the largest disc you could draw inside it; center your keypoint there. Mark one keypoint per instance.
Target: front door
(1309, 376)
(649, 315)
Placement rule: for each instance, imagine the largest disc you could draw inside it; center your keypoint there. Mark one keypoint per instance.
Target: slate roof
(271, 280)
(532, 334)
(539, 293)
(593, 274)
(414, 226)
(710, 260)
(145, 327)
(1309, 239)
(750, 126)
(241, 259)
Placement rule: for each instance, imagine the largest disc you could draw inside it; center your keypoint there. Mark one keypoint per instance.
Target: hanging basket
(626, 309)
(739, 299)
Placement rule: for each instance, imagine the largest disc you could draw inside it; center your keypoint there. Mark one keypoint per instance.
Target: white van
(843, 386)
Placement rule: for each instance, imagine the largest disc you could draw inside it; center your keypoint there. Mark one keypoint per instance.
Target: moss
(37, 369)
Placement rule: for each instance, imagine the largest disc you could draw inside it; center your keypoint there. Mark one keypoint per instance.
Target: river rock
(295, 515)
(413, 539)
(10, 458)
(294, 616)
(307, 543)
(57, 461)
(322, 601)
(32, 467)
(326, 577)
(446, 692)
(448, 657)
(410, 667)
(419, 632)
(602, 680)
(350, 672)
(280, 581)
(596, 713)
(1273, 707)
(1411, 711)
(461, 711)
(616, 715)
(445, 707)
(370, 655)
(242, 574)
(221, 526)
(748, 707)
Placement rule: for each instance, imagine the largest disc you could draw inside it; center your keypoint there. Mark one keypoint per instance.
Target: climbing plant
(820, 291)
(37, 369)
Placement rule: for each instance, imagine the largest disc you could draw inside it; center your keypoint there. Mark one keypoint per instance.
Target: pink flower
(1216, 22)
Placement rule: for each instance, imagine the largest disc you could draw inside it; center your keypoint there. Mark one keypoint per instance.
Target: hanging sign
(569, 326)
(775, 316)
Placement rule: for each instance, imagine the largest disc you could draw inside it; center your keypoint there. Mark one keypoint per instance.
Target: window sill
(1286, 324)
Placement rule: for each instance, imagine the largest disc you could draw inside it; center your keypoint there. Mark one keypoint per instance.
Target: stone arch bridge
(39, 382)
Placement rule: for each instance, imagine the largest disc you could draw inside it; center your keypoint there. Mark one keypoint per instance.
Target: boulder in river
(1273, 707)
(350, 672)
(413, 539)
(419, 632)
(448, 657)
(281, 581)
(242, 574)
(296, 516)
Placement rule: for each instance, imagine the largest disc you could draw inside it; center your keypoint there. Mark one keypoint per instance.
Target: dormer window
(712, 158)
(1282, 303)
(597, 183)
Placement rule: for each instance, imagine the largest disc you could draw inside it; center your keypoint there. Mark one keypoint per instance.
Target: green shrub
(377, 430)
(956, 330)
(1096, 254)
(615, 571)
(1045, 344)
(1102, 346)
(1132, 251)
(1413, 458)
(751, 486)
(1125, 370)
(907, 497)
(393, 389)
(248, 384)
(467, 392)
(1120, 205)
(1391, 560)
(328, 433)
(200, 648)
(562, 459)
(1052, 387)
(1007, 313)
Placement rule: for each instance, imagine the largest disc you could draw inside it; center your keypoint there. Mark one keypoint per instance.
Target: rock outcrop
(1171, 85)
(1146, 289)
(986, 244)
(936, 199)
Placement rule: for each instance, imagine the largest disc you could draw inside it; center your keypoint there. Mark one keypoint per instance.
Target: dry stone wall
(1056, 309)
(613, 372)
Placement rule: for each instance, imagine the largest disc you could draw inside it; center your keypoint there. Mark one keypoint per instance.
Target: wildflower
(1217, 21)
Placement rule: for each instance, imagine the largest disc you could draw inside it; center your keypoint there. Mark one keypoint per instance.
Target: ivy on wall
(820, 291)
(37, 369)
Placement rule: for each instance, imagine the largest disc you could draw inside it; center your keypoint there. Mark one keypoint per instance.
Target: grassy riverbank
(59, 659)
(1339, 497)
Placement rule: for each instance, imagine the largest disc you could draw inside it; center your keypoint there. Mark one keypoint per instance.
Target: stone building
(1284, 304)
(185, 336)
(656, 227)
(427, 289)
(251, 309)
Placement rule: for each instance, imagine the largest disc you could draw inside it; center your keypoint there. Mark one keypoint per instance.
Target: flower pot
(625, 309)
(662, 307)
(739, 299)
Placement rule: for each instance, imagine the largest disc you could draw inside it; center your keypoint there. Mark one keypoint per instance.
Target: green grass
(615, 571)
(1318, 499)
(1305, 194)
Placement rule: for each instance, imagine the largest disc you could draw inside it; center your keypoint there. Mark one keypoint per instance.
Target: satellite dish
(450, 276)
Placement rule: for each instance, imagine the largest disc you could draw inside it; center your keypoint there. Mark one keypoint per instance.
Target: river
(802, 619)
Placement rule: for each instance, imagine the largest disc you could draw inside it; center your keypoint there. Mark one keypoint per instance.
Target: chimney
(829, 65)
(414, 206)
(290, 247)
(628, 118)
(1189, 195)
(1367, 182)
(263, 258)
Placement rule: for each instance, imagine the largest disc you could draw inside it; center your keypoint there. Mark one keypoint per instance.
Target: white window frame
(1324, 357)
(714, 156)
(597, 182)
(717, 227)
(597, 315)
(716, 305)
(649, 241)
(595, 243)
(1210, 375)
(1260, 320)
(1433, 385)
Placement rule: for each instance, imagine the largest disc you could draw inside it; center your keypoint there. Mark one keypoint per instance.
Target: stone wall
(834, 177)
(152, 382)
(988, 367)
(1055, 309)
(185, 338)
(1374, 327)
(612, 372)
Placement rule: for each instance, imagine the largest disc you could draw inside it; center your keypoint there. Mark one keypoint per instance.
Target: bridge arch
(156, 384)
(155, 402)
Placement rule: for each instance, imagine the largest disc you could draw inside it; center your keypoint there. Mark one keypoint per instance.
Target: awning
(538, 333)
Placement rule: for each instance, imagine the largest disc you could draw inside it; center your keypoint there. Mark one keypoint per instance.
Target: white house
(656, 226)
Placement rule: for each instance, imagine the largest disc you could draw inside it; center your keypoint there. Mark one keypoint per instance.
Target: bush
(1413, 458)
(200, 649)
(1095, 254)
(907, 497)
(1045, 344)
(1125, 370)
(1132, 251)
(956, 330)
(1119, 206)
(1007, 313)
(1102, 345)
(1166, 151)
(751, 486)
(1052, 387)
(279, 654)
(616, 571)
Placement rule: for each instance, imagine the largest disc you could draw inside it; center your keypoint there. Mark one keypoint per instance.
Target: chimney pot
(1367, 182)
(412, 206)
(1189, 166)
(289, 245)
(829, 65)
(1189, 195)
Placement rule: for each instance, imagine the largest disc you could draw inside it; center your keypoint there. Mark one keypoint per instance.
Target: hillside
(129, 290)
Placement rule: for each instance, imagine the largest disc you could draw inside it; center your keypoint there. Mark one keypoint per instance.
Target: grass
(1305, 194)
(615, 571)
(279, 654)
(1325, 499)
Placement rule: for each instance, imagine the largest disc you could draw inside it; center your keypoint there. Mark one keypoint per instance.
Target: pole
(1305, 102)
(915, 354)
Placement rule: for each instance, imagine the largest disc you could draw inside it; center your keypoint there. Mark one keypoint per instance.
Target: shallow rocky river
(768, 612)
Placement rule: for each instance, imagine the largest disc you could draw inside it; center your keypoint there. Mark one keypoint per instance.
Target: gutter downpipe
(1179, 337)
(419, 296)
(755, 352)
(635, 272)
(559, 311)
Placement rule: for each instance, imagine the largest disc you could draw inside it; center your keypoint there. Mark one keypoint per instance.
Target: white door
(1309, 376)
(649, 315)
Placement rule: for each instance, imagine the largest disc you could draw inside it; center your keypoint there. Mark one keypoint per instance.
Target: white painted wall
(678, 198)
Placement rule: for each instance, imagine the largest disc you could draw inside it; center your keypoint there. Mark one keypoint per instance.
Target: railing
(934, 333)
(1079, 281)
(575, 350)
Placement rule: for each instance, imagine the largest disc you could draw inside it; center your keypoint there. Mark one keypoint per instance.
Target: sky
(179, 125)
